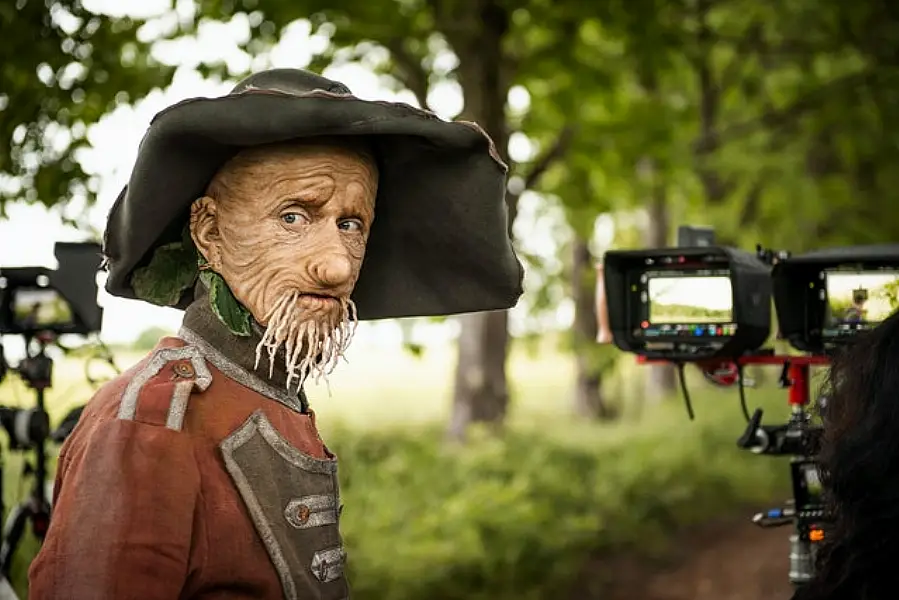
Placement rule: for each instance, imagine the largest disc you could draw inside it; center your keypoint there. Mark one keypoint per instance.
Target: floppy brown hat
(439, 244)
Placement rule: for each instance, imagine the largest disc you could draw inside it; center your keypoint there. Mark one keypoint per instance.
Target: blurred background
(501, 455)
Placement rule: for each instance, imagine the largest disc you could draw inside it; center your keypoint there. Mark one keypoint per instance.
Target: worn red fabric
(144, 512)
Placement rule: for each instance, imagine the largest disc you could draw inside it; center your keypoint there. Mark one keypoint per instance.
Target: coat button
(185, 370)
(302, 514)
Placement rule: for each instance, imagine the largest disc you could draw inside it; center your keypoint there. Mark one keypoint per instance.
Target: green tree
(64, 67)
(792, 105)
(610, 78)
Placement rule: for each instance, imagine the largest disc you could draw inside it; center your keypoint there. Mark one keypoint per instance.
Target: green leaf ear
(225, 306)
(172, 270)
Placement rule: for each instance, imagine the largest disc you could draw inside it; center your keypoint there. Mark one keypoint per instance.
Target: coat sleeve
(124, 517)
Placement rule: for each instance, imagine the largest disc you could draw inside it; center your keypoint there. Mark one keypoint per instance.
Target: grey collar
(247, 379)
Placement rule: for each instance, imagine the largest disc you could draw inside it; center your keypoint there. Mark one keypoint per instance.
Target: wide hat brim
(439, 244)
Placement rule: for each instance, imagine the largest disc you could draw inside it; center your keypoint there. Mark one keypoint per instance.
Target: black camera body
(64, 301)
(26, 427)
(687, 304)
(813, 517)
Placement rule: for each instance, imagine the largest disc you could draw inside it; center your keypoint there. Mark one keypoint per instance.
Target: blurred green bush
(518, 517)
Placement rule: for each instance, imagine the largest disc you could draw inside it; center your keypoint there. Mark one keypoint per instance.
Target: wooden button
(185, 370)
(302, 514)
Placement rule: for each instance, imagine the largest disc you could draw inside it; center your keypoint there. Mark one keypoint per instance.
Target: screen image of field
(40, 308)
(861, 297)
(690, 300)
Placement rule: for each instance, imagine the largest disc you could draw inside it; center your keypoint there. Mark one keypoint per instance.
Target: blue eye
(290, 218)
(350, 225)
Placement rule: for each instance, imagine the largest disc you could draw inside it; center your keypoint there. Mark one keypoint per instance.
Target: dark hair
(860, 471)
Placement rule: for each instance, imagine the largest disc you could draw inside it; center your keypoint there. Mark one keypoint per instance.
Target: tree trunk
(481, 391)
(589, 401)
(662, 379)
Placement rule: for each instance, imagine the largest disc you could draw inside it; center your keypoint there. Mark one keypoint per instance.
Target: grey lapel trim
(238, 373)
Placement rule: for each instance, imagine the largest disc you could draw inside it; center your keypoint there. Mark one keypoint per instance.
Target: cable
(107, 355)
(103, 353)
(742, 392)
(683, 387)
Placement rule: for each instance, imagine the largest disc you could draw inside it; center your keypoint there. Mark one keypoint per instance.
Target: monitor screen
(39, 308)
(858, 299)
(812, 483)
(690, 299)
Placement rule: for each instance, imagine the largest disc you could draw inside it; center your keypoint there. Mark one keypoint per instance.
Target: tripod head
(28, 428)
(36, 369)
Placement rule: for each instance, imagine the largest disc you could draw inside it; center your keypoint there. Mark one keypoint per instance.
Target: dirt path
(726, 560)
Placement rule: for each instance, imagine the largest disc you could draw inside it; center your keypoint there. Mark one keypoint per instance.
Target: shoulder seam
(182, 388)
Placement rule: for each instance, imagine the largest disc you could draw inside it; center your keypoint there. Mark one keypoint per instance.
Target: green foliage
(225, 306)
(64, 67)
(750, 117)
(517, 517)
(891, 292)
(171, 271)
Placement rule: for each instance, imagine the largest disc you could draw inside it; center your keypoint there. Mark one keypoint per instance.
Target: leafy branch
(553, 154)
(409, 69)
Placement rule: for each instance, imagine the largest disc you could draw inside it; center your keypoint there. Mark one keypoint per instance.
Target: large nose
(331, 269)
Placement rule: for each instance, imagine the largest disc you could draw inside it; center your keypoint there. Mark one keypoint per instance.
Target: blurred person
(603, 331)
(860, 471)
(276, 216)
(30, 320)
(856, 311)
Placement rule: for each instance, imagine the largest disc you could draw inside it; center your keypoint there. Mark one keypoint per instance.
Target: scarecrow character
(276, 216)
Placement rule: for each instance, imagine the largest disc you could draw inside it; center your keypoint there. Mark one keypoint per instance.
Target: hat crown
(289, 81)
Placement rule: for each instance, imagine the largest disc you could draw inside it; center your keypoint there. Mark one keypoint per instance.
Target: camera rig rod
(798, 375)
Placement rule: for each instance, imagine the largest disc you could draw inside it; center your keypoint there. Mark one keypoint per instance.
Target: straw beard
(312, 346)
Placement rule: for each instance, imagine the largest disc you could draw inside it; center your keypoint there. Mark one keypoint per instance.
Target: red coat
(179, 482)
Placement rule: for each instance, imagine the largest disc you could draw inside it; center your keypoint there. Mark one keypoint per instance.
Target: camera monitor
(687, 303)
(826, 298)
(857, 299)
(35, 299)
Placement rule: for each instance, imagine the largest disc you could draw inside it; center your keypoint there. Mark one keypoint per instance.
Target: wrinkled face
(286, 228)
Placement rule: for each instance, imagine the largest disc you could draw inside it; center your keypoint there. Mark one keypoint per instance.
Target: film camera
(712, 306)
(40, 305)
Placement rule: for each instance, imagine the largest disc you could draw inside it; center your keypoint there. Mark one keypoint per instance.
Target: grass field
(381, 390)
